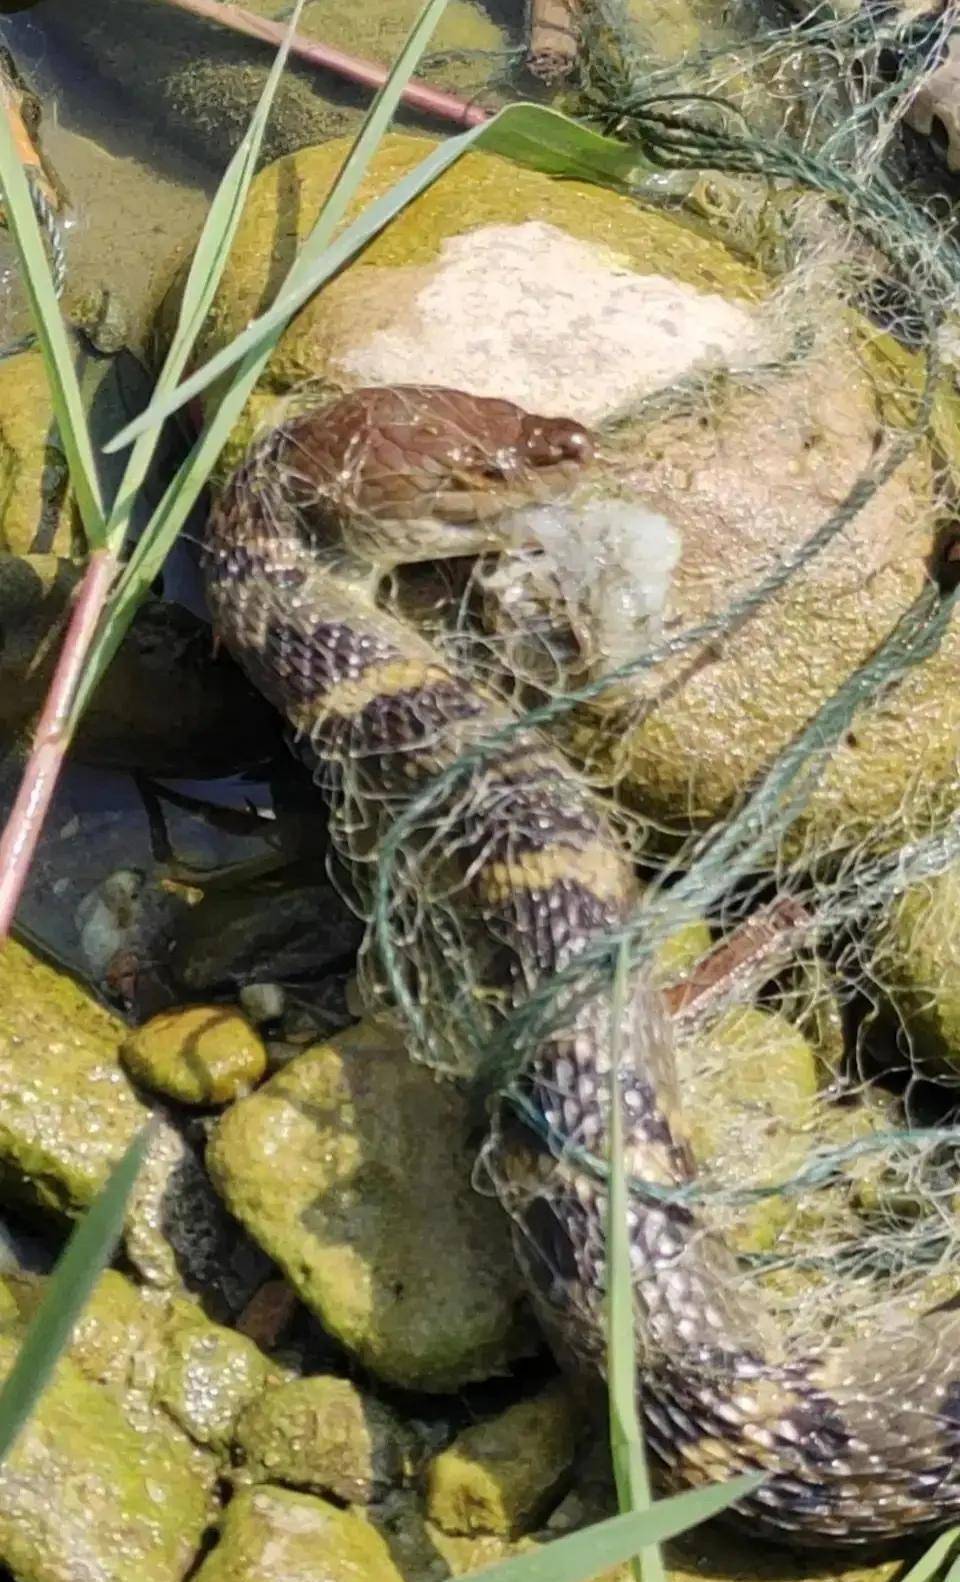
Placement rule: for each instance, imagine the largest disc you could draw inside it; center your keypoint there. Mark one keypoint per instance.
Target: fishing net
(772, 720)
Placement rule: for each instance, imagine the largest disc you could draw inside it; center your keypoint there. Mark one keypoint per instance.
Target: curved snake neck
(859, 1444)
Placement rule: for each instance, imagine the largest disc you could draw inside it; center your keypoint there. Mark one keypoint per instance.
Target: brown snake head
(409, 472)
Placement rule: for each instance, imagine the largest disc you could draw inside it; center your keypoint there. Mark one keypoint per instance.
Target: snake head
(416, 472)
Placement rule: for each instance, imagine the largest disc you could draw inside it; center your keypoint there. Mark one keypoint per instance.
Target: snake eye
(552, 440)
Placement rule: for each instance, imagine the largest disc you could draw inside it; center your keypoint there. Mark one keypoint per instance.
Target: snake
(856, 1443)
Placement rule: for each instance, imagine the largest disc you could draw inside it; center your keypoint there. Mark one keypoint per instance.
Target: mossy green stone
(352, 1168)
(500, 1476)
(274, 1535)
(207, 1375)
(197, 1054)
(916, 964)
(750, 1083)
(38, 514)
(321, 1434)
(86, 1494)
(67, 1110)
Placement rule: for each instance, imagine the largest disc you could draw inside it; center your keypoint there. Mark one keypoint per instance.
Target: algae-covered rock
(749, 1084)
(275, 1535)
(198, 1054)
(916, 965)
(500, 1476)
(86, 1495)
(162, 1354)
(38, 512)
(68, 1112)
(478, 284)
(321, 1434)
(351, 1167)
(207, 1375)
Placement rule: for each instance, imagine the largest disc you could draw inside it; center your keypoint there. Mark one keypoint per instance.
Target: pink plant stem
(51, 739)
(431, 101)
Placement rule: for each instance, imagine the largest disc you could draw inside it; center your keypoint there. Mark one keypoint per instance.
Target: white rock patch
(558, 325)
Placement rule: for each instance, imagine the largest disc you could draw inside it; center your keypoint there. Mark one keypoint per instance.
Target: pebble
(199, 1054)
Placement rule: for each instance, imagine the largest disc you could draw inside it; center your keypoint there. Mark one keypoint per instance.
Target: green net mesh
(744, 637)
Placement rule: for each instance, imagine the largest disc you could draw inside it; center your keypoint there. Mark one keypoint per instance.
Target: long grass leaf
(206, 268)
(180, 497)
(88, 1251)
(52, 337)
(626, 1433)
(528, 133)
(584, 1555)
(934, 1558)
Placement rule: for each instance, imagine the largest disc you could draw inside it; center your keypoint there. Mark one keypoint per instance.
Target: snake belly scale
(859, 1443)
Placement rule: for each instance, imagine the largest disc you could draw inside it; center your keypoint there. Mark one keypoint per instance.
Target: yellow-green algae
(916, 966)
(157, 1353)
(352, 1168)
(67, 1111)
(197, 1054)
(84, 1491)
(323, 1435)
(749, 1082)
(502, 1476)
(37, 507)
(275, 1535)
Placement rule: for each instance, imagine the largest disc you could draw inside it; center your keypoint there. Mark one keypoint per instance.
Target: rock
(743, 481)
(198, 1054)
(178, 1233)
(166, 705)
(116, 1340)
(501, 1476)
(274, 1535)
(916, 966)
(156, 1354)
(277, 928)
(85, 1494)
(321, 1434)
(38, 512)
(749, 1082)
(68, 1112)
(351, 1167)
(208, 1375)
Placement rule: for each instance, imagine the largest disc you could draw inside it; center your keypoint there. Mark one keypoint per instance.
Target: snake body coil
(859, 1443)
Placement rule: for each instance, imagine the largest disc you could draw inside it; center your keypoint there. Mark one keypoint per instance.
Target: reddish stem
(52, 738)
(762, 941)
(431, 101)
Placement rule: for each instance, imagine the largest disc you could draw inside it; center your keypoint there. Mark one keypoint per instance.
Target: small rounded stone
(198, 1054)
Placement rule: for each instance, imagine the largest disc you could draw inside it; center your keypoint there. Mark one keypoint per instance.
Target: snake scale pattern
(860, 1442)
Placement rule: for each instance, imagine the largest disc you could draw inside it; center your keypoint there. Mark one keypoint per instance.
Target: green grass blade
(181, 496)
(528, 133)
(53, 338)
(87, 1253)
(206, 268)
(626, 1432)
(584, 1555)
(933, 1560)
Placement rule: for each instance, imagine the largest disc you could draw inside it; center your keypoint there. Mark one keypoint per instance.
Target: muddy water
(133, 197)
